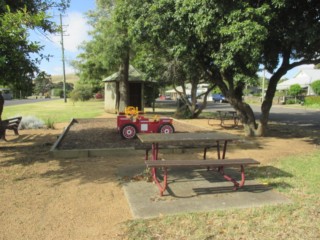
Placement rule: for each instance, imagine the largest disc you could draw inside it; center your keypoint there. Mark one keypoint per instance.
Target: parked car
(218, 97)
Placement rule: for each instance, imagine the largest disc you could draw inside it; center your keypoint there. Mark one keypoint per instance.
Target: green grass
(56, 110)
(297, 177)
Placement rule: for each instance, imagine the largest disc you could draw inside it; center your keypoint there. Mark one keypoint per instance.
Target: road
(27, 101)
(285, 114)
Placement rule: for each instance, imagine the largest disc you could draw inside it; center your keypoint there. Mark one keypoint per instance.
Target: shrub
(58, 92)
(312, 100)
(98, 96)
(316, 87)
(294, 90)
(31, 122)
(290, 101)
(82, 92)
(50, 123)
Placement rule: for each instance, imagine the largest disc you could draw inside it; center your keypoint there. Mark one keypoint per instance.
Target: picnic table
(227, 115)
(198, 138)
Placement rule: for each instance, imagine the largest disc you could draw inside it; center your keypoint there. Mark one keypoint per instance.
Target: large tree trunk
(235, 93)
(124, 90)
(247, 118)
(1, 105)
(2, 128)
(193, 108)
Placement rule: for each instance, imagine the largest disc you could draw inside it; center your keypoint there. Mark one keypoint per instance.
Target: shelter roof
(134, 76)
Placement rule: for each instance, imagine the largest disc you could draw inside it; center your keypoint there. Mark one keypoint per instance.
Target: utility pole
(63, 61)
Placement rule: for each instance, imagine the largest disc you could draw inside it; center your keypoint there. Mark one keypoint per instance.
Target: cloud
(57, 69)
(75, 31)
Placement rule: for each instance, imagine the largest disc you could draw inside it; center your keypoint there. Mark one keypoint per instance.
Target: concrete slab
(191, 190)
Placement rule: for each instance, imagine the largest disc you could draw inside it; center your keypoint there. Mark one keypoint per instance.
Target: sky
(76, 31)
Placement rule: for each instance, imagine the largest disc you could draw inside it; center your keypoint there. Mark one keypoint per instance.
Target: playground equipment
(131, 121)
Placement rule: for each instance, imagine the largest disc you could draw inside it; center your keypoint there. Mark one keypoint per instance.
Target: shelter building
(136, 90)
(6, 93)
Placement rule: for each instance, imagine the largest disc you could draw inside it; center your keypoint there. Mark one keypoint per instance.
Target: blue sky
(76, 31)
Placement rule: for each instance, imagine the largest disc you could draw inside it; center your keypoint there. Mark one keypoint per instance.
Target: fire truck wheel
(128, 131)
(166, 128)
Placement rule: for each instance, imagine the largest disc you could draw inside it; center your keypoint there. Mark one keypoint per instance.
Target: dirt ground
(42, 197)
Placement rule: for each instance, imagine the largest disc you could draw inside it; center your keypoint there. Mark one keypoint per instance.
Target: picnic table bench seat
(10, 124)
(219, 164)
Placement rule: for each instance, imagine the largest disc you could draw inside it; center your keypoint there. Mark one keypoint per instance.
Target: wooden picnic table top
(186, 137)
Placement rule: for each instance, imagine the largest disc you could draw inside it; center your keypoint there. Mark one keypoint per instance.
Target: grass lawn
(299, 220)
(56, 110)
(296, 177)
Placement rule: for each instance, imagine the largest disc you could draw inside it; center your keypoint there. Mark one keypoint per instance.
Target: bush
(58, 92)
(82, 92)
(312, 100)
(294, 90)
(316, 87)
(290, 101)
(98, 96)
(31, 122)
(50, 123)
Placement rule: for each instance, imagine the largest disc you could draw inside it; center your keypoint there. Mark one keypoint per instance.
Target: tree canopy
(221, 43)
(19, 57)
(42, 84)
(295, 90)
(110, 47)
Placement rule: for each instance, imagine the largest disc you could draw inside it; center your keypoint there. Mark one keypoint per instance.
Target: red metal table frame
(155, 139)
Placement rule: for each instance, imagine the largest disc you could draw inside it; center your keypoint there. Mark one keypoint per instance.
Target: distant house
(6, 93)
(136, 86)
(173, 94)
(304, 78)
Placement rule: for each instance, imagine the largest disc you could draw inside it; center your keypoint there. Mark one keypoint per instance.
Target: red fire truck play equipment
(129, 123)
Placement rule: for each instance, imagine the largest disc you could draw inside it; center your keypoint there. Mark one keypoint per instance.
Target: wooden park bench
(10, 124)
(219, 164)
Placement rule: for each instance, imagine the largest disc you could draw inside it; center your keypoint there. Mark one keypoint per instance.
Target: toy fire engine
(131, 122)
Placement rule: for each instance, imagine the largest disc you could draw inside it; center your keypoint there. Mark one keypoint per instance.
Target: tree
(292, 41)
(229, 41)
(58, 88)
(17, 62)
(42, 83)
(208, 38)
(1, 105)
(316, 87)
(82, 92)
(179, 73)
(110, 47)
(294, 91)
